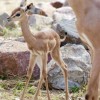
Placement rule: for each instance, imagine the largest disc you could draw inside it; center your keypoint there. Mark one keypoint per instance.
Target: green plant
(15, 32)
(31, 90)
(74, 89)
(19, 85)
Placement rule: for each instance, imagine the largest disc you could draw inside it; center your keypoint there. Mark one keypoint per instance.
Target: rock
(79, 65)
(23, 3)
(68, 28)
(1, 28)
(59, 83)
(4, 22)
(1, 31)
(66, 10)
(64, 24)
(20, 39)
(63, 13)
(38, 22)
(1, 40)
(14, 59)
(57, 3)
(64, 17)
(66, 3)
(47, 8)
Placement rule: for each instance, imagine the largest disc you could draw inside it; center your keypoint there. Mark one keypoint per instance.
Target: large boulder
(14, 59)
(64, 24)
(79, 65)
(67, 28)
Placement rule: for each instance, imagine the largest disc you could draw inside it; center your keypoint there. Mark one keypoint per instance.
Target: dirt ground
(12, 89)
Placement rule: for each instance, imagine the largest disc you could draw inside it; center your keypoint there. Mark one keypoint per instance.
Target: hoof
(88, 97)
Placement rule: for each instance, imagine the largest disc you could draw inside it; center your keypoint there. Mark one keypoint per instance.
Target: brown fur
(18, 9)
(88, 24)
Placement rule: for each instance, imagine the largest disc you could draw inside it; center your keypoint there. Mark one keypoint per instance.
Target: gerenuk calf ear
(23, 3)
(30, 6)
(31, 9)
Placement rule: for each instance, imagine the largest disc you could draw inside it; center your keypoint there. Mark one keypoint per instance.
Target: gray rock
(38, 22)
(68, 28)
(79, 65)
(1, 40)
(4, 22)
(66, 10)
(63, 13)
(20, 39)
(64, 24)
(59, 83)
(66, 3)
(1, 31)
(1, 28)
